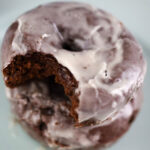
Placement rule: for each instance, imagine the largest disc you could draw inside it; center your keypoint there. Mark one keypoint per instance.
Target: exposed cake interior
(36, 65)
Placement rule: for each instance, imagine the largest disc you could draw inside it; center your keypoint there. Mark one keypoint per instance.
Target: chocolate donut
(90, 68)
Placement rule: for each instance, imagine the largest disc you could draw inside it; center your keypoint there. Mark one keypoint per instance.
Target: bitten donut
(78, 60)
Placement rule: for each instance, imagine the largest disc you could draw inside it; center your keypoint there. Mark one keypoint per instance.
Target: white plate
(136, 16)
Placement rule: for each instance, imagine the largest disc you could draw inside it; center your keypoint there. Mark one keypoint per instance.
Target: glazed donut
(89, 60)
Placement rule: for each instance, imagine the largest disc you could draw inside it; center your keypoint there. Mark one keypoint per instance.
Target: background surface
(135, 14)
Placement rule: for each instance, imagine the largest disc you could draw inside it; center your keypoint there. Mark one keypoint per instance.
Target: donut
(82, 62)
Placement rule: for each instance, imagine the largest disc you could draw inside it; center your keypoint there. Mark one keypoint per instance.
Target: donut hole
(70, 45)
(68, 41)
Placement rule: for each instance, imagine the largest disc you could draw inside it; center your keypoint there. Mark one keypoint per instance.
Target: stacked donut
(74, 75)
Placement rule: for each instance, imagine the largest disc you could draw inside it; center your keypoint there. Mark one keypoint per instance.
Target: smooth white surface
(135, 14)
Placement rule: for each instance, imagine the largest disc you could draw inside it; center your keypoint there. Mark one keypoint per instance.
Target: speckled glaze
(108, 65)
